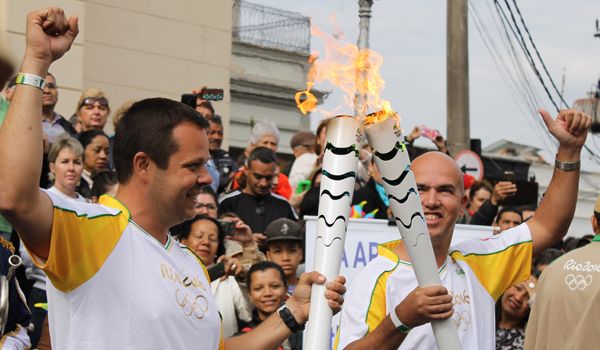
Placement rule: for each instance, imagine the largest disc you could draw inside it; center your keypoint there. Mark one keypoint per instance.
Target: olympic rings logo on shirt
(462, 320)
(578, 282)
(197, 306)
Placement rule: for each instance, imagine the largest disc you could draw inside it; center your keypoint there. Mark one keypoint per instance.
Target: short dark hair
(147, 127)
(182, 231)
(103, 179)
(263, 266)
(86, 137)
(207, 105)
(508, 210)
(206, 189)
(479, 185)
(263, 154)
(545, 258)
(217, 120)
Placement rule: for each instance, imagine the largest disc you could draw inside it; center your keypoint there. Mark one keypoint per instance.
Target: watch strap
(289, 320)
(567, 166)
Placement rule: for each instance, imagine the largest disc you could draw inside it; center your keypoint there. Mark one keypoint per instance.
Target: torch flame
(356, 72)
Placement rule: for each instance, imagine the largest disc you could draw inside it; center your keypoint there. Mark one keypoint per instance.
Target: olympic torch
(340, 163)
(393, 163)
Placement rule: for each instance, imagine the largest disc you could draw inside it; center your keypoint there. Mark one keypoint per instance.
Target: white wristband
(32, 80)
(399, 325)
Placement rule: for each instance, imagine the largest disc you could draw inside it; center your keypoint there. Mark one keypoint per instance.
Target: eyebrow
(262, 175)
(197, 161)
(439, 187)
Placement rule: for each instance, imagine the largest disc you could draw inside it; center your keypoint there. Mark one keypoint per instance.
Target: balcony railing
(271, 27)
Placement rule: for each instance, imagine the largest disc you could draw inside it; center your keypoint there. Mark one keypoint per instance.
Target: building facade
(134, 49)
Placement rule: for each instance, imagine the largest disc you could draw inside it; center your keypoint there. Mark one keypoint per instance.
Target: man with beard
(256, 205)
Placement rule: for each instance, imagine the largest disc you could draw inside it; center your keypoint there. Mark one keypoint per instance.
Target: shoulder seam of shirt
(118, 212)
(278, 196)
(229, 195)
(490, 253)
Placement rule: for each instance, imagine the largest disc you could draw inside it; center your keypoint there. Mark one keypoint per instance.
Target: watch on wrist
(289, 320)
(567, 166)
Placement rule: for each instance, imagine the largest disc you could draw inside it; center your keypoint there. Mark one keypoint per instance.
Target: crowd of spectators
(262, 205)
(248, 229)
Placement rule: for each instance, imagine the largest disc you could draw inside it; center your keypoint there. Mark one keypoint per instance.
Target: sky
(411, 36)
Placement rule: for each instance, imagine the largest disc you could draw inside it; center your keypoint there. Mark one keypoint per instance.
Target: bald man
(385, 309)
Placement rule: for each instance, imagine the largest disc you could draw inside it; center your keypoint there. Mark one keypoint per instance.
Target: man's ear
(594, 224)
(464, 200)
(142, 166)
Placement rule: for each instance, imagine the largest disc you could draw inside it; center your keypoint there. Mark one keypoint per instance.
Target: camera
(228, 227)
(206, 94)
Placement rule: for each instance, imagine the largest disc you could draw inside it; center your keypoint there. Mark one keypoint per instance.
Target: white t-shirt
(113, 286)
(79, 197)
(476, 273)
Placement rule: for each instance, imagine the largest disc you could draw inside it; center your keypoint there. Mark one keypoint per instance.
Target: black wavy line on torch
(400, 178)
(415, 214)
(334, 221)
(341, 151)
(339, 177)
(392, 153)
(334, 197)
(411, 190)
(330, 243)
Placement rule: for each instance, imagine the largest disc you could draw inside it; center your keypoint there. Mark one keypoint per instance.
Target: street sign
(470, 163)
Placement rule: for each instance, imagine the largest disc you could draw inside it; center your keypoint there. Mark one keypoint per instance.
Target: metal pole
(458, 125)
(364, 14)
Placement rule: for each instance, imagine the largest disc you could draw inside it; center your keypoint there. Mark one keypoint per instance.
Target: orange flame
(354, 71)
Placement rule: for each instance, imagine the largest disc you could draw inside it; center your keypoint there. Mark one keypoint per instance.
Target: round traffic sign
(470, 163)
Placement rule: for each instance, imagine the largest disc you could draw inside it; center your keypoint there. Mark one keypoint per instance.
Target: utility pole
(364, 14)
(457, 77)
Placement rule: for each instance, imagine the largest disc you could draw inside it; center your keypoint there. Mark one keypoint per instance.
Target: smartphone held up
(205, 94)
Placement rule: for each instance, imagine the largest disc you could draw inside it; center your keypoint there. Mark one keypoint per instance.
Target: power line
(538, 53)
(519, 36)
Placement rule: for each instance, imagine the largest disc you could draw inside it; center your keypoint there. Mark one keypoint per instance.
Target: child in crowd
(284, 247)
(267, 291)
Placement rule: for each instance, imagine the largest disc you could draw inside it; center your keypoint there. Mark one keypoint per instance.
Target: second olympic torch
(399, 182)
(340, 163)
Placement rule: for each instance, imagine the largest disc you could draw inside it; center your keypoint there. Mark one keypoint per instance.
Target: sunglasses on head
(90, 101)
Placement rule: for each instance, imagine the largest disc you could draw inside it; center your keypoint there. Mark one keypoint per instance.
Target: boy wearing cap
(284, 247)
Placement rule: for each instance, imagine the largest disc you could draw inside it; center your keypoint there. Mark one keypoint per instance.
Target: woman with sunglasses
(92, 110)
